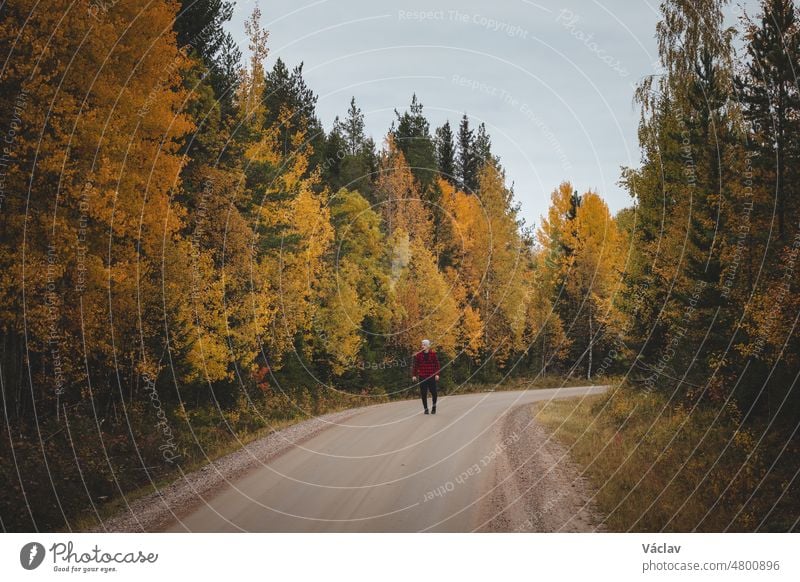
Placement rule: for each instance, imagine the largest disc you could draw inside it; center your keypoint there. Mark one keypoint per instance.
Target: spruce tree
(482, 146)
(467, 162)
(446, 152)
(353, 129)
(769, 93)
(413, 138)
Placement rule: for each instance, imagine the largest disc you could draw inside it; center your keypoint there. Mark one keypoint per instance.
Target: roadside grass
(659, 465)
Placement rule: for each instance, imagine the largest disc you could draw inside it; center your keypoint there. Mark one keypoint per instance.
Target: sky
(552, 80)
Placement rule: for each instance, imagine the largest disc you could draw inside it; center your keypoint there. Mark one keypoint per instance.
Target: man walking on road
(425, 366)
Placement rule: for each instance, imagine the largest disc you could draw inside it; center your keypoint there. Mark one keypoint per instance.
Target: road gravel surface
(480, 464)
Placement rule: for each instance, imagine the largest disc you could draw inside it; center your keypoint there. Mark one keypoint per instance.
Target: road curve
(388, 468)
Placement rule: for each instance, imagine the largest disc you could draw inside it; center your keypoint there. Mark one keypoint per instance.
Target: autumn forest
(190, 255)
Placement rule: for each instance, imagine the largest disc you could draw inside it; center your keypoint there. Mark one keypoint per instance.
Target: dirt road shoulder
(536, 486)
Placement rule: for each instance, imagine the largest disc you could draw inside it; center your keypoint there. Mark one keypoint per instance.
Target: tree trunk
(591, 345)
(544, 352)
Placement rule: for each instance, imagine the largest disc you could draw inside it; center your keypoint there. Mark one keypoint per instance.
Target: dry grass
(662, 466)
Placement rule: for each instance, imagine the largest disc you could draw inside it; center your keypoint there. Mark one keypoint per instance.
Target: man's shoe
(426, 411)
(433, 410)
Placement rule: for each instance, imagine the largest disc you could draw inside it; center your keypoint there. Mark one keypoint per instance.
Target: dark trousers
(424, 387)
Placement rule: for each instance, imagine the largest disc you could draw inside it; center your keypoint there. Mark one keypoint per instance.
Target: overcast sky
(552, 80)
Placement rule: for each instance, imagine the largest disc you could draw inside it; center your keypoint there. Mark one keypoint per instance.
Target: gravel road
(480, 464)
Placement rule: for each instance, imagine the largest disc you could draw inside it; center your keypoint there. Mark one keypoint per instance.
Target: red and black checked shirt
(425, 365)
